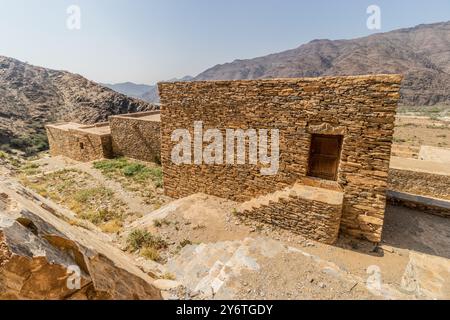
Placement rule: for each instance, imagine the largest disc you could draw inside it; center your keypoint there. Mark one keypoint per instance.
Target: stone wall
(314, 213)
(420, 203)
(137, 136)
(80, 143)
(420, 183)
(362, 109)
(311, 219)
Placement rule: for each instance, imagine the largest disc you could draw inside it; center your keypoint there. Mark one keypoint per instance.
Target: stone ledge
(319, 194)
(431, 205)
(312, 212)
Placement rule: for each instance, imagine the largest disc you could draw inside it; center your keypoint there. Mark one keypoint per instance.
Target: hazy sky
(145, 41)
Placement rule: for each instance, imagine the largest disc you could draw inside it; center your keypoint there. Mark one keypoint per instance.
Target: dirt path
(135, 203)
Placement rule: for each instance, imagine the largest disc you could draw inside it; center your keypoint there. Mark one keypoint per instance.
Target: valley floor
(415, 131)
(198, 249)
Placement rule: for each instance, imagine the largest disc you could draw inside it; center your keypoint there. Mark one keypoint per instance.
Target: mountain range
(421, 53)
(144, 92)
(31, 96)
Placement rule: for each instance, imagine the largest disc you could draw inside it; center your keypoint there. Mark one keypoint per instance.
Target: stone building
(80, 142)
(335, 136)
(137, 136)
(333, 145)
(134, 135)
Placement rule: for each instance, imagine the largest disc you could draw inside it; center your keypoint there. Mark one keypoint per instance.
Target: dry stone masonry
(134, 135)
(420, 183)
(309, 211)
(360, 110)
(137, 136)
(80, 142)
(335, 138)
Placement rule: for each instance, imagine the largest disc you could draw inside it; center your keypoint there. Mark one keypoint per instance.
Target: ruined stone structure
(420, 184)
(137, 136)
(134, 135)
(335, 132)
(335, 137)
(420, 177)
(80, 142)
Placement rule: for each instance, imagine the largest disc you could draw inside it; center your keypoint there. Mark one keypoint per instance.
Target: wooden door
(324, 156)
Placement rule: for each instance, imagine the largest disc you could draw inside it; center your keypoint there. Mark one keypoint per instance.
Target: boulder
(44, 257)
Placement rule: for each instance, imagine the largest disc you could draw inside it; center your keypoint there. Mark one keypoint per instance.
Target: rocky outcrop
(44, 257)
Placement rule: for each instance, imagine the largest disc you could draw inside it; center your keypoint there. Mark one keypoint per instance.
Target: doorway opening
(324, 157)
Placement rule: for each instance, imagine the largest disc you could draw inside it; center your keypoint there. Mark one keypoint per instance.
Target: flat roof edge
(396, 77)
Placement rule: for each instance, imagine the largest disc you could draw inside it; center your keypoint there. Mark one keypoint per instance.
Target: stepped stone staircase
(298, 190)
(307, 210)
(209, 269)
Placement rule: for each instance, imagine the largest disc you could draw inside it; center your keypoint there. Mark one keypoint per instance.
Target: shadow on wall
(156, 157)
(413, 230)
(406, 229)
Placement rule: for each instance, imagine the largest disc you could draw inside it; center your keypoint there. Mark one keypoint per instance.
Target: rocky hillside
(421, 53)
(130, 89)
(31, 96)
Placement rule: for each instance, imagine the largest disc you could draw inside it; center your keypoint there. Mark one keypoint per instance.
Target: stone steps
(203, 268)
(298, 190)
(209, 269)
(215, 270)
(265, 200)
(312, 212)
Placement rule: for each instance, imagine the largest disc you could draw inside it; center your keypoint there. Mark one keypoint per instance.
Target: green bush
(30, 168)
(86, 195)
(134, 169)
(139, 239)
(101, 216)
(108, 166)
(151, 254)
(31, 144)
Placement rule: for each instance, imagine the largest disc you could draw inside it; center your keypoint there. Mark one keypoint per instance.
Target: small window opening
(325, 155)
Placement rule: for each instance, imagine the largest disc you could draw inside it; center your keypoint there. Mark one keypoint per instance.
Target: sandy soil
(419, 131)
(300, 280)
(134, 202)
(208, 244)
(290, 276)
